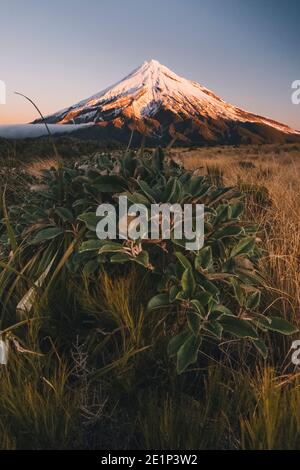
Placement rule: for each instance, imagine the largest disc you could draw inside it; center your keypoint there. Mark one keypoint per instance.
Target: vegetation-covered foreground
(122, 345)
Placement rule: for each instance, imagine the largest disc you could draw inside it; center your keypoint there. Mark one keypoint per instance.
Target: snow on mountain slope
(155, 101)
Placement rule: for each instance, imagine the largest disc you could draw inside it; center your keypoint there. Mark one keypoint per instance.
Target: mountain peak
(152, 68)
(155, 101)
(152, 62)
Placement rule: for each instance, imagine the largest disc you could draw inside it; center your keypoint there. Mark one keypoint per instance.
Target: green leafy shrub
(210, 293)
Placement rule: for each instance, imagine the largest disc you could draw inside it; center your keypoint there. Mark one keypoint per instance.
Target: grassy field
(88, 364)
(270, 176)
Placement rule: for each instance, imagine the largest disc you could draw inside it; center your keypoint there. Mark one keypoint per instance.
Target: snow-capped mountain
(154, 101)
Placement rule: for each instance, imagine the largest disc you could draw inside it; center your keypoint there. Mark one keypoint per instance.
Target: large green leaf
(194, 322)
(111, 247)
(136, 198)
(238, 327)
(223, 212)
(110, 184)
(158, 301)
(237, 210)
(90, 219)
(214, 328)
(173, 191)
(188, 353)
(91, 245)
(222, 309)
(203, 297)
(183, 260)
(158, 159)
(173, 293)
(253, 301)
(64, 213)
(188, 283)
(207, 285)
(204, 258)
(143, 259)
(280, 325)
(120, 258)
(238, 292)
(245, 246)
(46, 234)
(149, 193)
(129, 163)
(177, 341)
(261, 347)
(198, 306)
(228, 231)
(90, 267)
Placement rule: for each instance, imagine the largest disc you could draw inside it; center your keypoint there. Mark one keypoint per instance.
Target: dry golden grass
(277, 168)
(36, 167)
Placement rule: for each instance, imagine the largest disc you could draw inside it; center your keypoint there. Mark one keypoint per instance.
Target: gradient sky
(61, 51)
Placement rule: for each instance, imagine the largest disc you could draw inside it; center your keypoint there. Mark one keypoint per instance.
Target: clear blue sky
(61, 51)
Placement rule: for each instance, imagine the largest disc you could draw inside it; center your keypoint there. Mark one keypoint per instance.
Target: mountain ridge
(155, 102)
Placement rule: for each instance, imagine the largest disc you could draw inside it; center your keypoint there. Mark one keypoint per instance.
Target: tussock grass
(38, 408)
(274, 422)
(36, 167)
